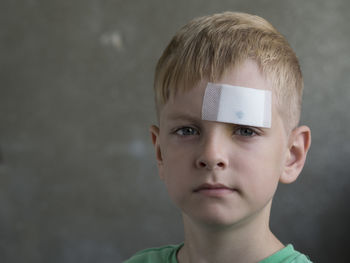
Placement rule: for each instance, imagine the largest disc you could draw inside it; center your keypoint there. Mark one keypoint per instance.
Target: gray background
(78, 180)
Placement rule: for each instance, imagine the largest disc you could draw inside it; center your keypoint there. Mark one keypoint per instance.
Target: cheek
(259, 169)
(177, 155)
(176, 167)
(175, 158)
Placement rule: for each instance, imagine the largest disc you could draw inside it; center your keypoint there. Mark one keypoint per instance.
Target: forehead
(247, 74)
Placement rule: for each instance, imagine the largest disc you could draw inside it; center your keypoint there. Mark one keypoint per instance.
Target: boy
(228, 93)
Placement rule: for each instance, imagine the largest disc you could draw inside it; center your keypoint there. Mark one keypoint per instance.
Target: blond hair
(209, 45)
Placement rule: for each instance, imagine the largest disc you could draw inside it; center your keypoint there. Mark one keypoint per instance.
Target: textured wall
(78, 180)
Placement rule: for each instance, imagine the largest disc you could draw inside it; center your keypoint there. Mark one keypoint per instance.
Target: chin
(217, 220)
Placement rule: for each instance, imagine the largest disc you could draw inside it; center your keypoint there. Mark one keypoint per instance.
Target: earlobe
(154, 130)
(298, 146)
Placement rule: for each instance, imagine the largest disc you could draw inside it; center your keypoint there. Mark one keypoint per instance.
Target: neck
(247, 241)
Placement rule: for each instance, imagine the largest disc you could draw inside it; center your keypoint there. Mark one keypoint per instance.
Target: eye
(245, 131)
(186, 131)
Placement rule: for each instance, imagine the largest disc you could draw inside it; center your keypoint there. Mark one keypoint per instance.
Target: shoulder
(287, 255)
(300, 258)
(155, 255)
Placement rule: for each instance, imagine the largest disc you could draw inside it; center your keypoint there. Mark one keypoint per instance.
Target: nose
(212, 153)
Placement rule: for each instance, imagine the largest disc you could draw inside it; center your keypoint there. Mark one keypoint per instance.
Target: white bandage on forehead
(238, 105)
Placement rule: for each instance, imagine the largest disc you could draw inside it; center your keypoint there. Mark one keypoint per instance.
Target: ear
(154, 130)
(298, 146)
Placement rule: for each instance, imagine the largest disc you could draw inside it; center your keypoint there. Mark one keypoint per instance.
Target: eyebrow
(187, 117)
(191, 118)
(182, 116)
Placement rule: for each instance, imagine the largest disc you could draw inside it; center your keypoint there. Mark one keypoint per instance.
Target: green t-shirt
(167, 254)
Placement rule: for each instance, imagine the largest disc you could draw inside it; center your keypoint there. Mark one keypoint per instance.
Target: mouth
(214, 190)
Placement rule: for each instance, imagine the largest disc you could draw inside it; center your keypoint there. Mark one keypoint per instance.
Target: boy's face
(219, 173)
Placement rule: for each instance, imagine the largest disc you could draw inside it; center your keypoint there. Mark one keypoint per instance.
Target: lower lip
(215, 192)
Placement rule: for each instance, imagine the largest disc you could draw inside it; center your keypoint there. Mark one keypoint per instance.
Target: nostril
(202, 164)
(221, 164)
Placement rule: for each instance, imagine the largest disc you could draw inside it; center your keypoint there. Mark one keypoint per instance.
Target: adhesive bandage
(238, 105)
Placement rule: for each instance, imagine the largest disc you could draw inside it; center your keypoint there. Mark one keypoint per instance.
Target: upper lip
(212, 186)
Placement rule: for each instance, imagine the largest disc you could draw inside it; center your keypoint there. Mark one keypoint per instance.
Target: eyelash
(253, 132)
(182, 129)
(191, 131)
